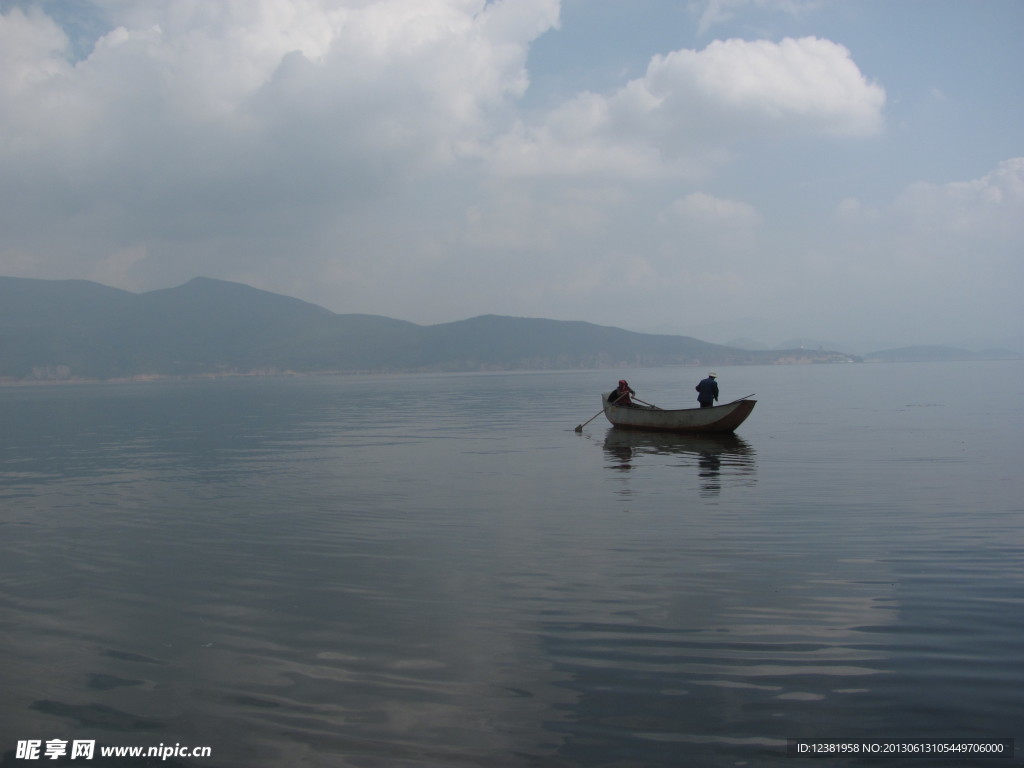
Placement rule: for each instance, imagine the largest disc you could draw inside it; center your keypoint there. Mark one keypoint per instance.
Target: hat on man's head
(713, 375)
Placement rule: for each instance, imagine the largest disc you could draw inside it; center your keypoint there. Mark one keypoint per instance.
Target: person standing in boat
(707, 391)
(621, 395)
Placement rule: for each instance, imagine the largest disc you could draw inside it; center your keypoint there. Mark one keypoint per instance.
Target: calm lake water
(439, 571)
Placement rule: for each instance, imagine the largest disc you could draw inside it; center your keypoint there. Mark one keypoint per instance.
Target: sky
(850, 171)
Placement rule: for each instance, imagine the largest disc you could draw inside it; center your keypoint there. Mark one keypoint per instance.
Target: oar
(579, 427)
(652, 405)
(742, 398)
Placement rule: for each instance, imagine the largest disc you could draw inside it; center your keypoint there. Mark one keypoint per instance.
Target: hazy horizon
(844, 171)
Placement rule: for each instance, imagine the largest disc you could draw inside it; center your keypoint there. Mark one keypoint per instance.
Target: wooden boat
(718, 419)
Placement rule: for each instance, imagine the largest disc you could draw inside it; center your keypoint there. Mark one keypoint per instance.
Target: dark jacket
(621, 395)
(707, 391)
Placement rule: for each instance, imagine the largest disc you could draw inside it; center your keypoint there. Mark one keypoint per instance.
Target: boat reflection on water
(715, 456)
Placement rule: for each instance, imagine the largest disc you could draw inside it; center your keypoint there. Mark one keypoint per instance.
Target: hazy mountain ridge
(937, 353)
(74, 329)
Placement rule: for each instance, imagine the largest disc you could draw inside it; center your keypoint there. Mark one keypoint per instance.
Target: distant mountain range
(1014, 350)
(75, 329)
(931, 353)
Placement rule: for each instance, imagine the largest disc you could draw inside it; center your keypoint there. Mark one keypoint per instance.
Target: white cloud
(987, 210)
(32, 50)
(32, 59)
(379, 155)
(199, 129)
(401, 68)
(807, 85)
(941, 258)
(681, 117)
(990, 208)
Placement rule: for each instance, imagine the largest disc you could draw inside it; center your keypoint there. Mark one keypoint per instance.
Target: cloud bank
(379, 157)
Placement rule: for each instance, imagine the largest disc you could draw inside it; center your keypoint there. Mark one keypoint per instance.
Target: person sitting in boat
(707, 391)
(621, 395)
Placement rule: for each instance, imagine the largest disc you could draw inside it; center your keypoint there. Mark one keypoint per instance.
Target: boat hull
(720, 419)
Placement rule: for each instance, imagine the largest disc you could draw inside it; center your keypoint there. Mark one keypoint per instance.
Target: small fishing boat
(718, 419)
